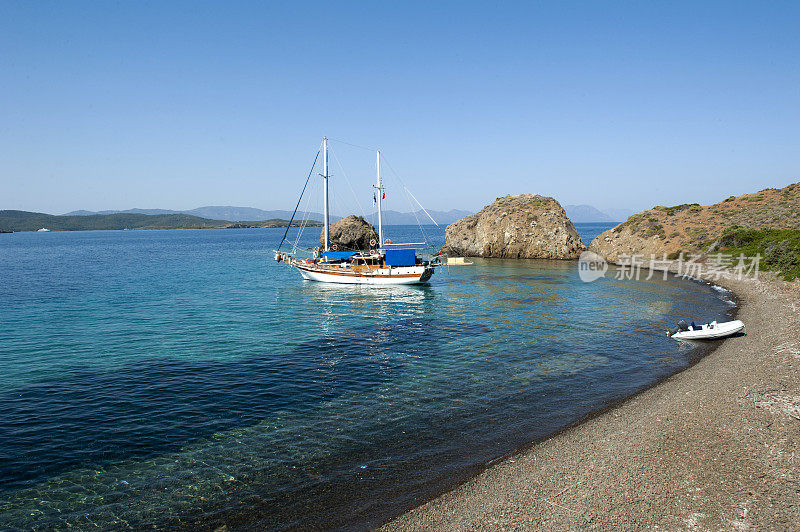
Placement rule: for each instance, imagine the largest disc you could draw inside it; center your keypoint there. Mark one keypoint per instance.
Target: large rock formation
(352, 233)
(695, 228)
(524, 226)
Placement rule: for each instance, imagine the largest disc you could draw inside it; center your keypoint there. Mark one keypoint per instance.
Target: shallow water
(183, 377)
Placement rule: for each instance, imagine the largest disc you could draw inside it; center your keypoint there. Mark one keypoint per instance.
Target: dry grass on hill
(689, 225)
(692, 227)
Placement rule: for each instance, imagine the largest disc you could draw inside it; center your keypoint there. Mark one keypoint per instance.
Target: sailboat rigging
(386, 263)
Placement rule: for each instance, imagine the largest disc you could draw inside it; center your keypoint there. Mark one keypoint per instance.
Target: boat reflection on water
(383, 303)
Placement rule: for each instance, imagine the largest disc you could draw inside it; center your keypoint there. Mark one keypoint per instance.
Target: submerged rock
(352, 233)
(526, 226)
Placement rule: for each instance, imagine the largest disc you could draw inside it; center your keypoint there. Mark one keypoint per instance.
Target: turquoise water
(183, 378)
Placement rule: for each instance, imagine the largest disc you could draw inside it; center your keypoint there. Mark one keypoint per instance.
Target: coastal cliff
(696, 228)
(526, 226)
(351, 233)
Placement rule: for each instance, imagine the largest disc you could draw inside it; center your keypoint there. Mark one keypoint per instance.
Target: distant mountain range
(589, 214)
(237, 214)
(576, 213)
(410, 218)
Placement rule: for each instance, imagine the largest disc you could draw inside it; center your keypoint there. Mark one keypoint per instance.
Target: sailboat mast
(325, 193)
(380, 199)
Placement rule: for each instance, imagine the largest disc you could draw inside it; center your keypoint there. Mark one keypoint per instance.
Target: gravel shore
(716, 446)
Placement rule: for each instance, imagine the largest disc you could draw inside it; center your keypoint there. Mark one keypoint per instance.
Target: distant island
(576, 213)
(590, 214)
(216, 217)
(237, 214)
(12, 221)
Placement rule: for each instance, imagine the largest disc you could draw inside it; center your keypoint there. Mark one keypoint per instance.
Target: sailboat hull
(411, 275)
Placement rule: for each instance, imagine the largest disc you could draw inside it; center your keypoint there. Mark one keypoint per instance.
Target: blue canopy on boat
(338, 254)
(400, 257)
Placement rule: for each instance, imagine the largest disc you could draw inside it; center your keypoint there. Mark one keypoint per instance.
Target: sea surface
(183, 378)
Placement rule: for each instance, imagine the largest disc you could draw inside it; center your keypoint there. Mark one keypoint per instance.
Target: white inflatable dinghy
(708, 331)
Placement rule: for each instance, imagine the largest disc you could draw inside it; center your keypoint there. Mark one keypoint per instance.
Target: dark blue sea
(184, 379)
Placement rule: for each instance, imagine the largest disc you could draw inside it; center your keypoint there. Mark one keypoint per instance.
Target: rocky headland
(525, 226)
(694, 228)
(351, 233)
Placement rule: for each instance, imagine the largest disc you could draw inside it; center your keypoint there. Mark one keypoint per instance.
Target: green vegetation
(696, 234)
(33, 221)
(693, 207)
(779, 248)
(644, 224)
(654, 229)
(272, 222)
(632, 222)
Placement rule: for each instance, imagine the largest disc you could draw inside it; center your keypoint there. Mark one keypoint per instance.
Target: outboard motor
(682, 326)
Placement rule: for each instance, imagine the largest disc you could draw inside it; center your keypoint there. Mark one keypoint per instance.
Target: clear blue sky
(113, 105)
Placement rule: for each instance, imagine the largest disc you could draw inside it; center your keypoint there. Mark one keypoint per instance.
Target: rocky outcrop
(692, 228)
(526, 226)
(352, 233)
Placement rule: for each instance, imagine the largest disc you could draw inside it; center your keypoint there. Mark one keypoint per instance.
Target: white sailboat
(385, 264)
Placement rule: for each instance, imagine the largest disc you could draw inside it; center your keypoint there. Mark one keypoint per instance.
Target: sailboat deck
(359, 270)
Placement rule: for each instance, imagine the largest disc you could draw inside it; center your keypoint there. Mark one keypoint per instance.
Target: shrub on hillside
(779, 248)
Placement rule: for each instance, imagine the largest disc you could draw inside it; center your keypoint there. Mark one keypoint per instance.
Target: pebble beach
(712, 447)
